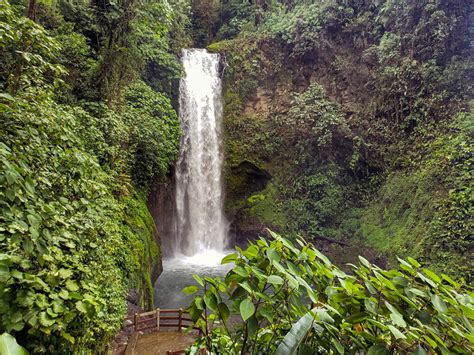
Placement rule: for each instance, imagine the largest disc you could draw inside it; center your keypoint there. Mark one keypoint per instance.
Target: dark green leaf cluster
(417, 53)
(289, 299)
(60, 244)
(27, 52)
(368, 158)
(138, 140)
(75, 232)
(431, 199)
(314, 120)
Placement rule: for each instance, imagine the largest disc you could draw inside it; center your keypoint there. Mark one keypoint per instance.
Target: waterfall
(200, 223)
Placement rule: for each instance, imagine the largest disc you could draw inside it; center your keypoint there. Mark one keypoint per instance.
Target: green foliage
(27, 52)
(293, 339)
(310, 135)
(138, 140)
(9, 346)
(313, 202)
(155, 134)
(144, 257)
(54, 198)
(292, 297)
(349, 96)
(205, 17)
(431, 202)
(76, 56)
(75, 235)
(416, 53)
(234, 16)
(66, 255)
(315, 127)
(152, 42)
(314, 119)
(301, 28)
(181, 26)
(242, 65)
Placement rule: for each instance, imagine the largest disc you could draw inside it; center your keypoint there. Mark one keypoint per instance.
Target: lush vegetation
(85, 133)
(359, 113)
(346, 121)
(293, 300)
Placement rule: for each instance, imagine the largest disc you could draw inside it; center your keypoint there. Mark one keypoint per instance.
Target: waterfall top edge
(198, 50)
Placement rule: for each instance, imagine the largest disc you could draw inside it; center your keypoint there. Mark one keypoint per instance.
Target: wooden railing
(159, 318)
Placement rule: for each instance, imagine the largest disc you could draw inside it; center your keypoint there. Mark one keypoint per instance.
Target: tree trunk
(31, 14)
(261, 7)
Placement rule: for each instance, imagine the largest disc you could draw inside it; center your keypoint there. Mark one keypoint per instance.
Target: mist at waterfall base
(178, 273)
(199, 241)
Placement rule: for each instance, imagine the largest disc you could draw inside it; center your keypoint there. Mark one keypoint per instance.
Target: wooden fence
(159, 318)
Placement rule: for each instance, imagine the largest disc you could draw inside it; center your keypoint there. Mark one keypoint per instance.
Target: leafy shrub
(58, 269)
(69, 250)
(292, 298)
(424, 209)
(75, 235)
(28, 52)
(313, 201)
(315, 122)
(138, 140)
(154, 134)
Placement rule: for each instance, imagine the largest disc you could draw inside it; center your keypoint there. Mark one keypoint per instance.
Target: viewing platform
(158, 332)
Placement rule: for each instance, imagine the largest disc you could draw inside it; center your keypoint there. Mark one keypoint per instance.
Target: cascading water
(200, 221)
(200, 225)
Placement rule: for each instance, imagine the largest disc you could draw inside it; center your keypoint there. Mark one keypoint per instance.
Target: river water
(201, 229)
(178, 273)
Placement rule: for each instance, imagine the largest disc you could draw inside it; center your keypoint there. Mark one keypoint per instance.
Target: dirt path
(158, 343)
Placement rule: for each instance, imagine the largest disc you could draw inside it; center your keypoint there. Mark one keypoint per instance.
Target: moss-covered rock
(336, 171)
(145, 260)
(425, 209)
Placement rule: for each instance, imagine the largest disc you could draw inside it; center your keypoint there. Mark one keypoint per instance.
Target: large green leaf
(398, 334)
(273, 255)
(190, 290)
(210, 300)
(251, 252)
(229, 258)
(198, 279)
(378, 349)
(247, 309)
(420, 351)
(275, 280)
(439, 304)
(9, 346)
(293, 339)
(223, 310)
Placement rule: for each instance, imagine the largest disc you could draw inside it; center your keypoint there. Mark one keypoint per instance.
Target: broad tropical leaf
(9, 346)
(291, 342)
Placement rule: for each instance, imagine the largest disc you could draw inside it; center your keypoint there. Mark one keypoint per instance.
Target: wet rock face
(133, 297)
(245, 228)
(161, 204)
(243, 181)
(250, 178)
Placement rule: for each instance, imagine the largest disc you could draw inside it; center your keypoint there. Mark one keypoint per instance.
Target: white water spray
(201, 227)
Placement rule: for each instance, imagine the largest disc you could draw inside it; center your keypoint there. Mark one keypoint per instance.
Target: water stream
(200, 226)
